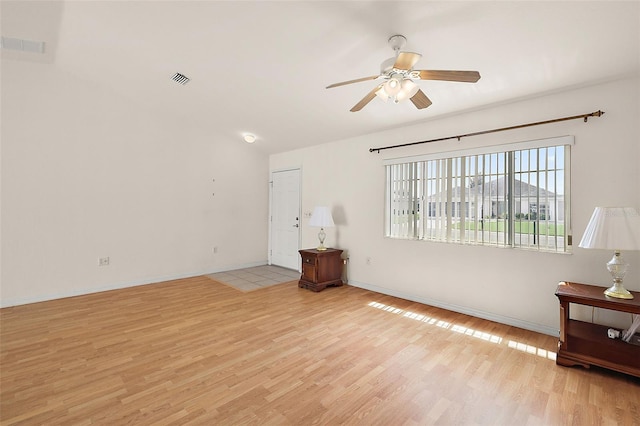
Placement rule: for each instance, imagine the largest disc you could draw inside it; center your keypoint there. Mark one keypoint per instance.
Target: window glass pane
(513, 198)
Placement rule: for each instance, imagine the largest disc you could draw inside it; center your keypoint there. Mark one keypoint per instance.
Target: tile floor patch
(255, 278)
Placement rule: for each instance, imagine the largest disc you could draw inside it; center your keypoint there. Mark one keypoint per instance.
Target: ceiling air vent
(179, 78)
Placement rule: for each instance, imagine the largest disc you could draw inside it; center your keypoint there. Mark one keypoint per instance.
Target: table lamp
(321, 218)
(617, 229)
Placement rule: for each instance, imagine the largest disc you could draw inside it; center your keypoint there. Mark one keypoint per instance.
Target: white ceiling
(262, 67)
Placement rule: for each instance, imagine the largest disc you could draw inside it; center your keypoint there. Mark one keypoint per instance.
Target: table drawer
(308, 260)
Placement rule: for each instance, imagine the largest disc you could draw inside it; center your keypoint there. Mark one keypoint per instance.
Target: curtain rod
(584, 116)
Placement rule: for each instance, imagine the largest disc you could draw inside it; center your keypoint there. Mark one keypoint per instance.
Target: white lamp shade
(321, 217)
(382, 94)
(409, 88)
(613, 228)
(393, 85)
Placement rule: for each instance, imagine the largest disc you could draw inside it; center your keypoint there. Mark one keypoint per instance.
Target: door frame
(270, 222)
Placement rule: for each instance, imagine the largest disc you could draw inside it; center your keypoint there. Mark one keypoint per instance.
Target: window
(512, 197)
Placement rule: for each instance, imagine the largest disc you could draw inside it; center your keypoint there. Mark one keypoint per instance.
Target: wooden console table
(320, 269)
(584, 343)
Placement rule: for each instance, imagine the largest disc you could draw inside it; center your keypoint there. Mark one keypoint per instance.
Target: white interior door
(285, 219)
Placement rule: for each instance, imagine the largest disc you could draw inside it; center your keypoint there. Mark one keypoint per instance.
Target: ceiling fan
(398, 75)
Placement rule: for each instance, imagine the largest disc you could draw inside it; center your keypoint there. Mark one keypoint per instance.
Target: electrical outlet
(103, 261)
(215, 250)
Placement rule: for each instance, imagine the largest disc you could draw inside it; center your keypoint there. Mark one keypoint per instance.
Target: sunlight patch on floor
(492, 338)
(531, 350)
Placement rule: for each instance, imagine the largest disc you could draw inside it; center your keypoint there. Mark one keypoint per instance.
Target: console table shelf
(583, 343)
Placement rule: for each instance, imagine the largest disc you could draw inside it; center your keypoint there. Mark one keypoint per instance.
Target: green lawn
(522, 227)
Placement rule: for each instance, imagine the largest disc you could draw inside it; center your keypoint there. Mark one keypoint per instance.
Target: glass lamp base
(617, 267)
(617, 290)
(321, 237)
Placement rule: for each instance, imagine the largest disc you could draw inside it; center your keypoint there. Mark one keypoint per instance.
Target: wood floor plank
(194, 351)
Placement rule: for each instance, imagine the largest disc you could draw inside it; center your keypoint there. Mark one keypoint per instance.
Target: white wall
(88, 174)
(508, 285)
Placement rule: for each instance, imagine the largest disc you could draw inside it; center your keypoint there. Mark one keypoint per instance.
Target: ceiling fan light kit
(397, 89)
(398, 75)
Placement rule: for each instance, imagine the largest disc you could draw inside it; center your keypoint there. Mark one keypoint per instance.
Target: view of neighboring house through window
(510, 196)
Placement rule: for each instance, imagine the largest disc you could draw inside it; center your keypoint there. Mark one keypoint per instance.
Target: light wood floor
(194, 351)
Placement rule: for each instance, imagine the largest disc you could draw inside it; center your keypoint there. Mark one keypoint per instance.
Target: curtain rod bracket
(598, 113)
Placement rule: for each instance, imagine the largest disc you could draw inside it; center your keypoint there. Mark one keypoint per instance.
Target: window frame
(422, 204)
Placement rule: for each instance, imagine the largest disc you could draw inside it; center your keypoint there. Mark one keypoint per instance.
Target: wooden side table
(320, 269)
(584, 343)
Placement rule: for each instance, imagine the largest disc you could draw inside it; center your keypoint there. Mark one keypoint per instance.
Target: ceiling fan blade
(462, 76)
(364, 101)
(406, 60)
(357, 80)
(420, 100)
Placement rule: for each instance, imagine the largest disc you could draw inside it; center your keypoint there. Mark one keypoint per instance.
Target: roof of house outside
(496, 188)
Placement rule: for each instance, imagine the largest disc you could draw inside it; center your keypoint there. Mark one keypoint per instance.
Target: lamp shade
(321, 217)
(393, 85)
(613, 228)
(409, 88)
(382, 94)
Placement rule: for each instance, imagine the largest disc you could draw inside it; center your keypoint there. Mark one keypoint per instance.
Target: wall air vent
(22, 45)
(179, 78)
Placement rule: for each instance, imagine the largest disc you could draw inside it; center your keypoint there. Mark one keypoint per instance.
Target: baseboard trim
(539, 328)
(126, 284)
(407, 296)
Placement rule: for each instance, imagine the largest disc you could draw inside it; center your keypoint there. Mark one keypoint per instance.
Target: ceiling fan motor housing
(387, 65)
(396, 42)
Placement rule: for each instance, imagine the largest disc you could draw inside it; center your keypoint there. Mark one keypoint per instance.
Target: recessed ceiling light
(249, 138)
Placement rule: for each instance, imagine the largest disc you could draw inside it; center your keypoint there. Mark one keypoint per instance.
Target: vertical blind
(506, 198)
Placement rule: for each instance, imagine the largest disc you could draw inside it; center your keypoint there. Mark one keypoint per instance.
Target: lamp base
(321, 237)
(617, 267)
(618, 291)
